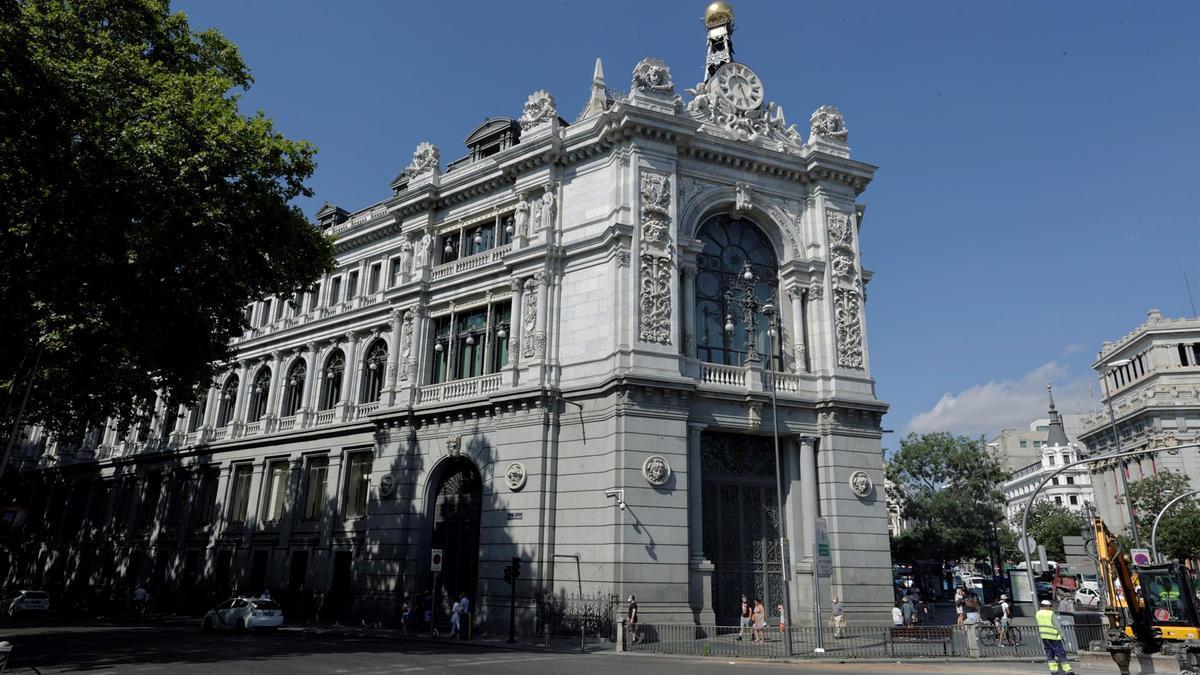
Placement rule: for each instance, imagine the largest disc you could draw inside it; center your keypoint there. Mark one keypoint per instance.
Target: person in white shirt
(897, 616)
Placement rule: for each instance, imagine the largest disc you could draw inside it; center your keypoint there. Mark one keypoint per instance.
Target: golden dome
(718, 13)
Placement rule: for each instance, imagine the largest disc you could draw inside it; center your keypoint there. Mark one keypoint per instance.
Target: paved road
(183, 649)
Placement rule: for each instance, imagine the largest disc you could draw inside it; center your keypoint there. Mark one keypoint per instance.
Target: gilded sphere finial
(717, 13)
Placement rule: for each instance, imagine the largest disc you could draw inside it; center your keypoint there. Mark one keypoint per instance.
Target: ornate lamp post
(742, 296)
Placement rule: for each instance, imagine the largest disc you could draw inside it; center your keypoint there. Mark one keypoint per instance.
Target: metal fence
(565, 615)
(858, 641)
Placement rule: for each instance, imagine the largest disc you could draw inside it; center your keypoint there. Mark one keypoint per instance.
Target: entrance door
(456, 515)
(258, 572)
(341, 598)
(741, 522)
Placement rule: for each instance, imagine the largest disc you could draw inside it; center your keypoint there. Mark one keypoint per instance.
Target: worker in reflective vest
(1052, 640)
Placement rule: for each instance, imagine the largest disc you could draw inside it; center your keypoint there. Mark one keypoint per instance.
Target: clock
(738, 85)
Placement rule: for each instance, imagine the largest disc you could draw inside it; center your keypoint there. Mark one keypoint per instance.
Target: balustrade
(459, 389)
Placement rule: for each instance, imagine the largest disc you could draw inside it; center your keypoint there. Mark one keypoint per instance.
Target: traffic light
(516, 568)
(508, 574)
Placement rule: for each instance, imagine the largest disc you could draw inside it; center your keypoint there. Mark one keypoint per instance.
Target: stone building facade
(1155, 392)
(536, 351)
(1072, 488)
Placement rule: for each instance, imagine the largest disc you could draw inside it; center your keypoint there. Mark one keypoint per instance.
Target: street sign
(824, 559)
(1140, 556)
(435, 560)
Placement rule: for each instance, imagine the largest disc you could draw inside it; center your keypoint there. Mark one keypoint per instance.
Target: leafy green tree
(141, 211)
(1049, 522)
(1179, 529)
(948, 487)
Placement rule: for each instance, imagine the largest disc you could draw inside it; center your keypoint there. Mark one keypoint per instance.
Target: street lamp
(1163, 512)
(742, 295)
(1112, 420)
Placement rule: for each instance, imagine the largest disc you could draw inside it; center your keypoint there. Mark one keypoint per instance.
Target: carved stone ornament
(406, 331)
(515, 476)
(861, 484)
(755, 124)
(840, 231)
(529, 315)
(828, 123)
(656, 470)
(425, 160)
(386, 485)
(653, 75)
(754, 415)
(539, 111)
(657, 269)
(454, 445)
(743, 201)
(546, 209)
(848, 327)
(816, 290)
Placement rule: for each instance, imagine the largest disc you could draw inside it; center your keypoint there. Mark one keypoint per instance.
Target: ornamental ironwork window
(314, 487)
(277, 473)
(241, 493)
(228, 402)
(260, 394)
(729, 244)
(358, 483)
(471, 343)
(374, 368)
(293, 395)
(331, 384)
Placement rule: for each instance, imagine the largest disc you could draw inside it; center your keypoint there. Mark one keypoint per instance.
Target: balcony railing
(220, 434)
(727, 376)
(459, 389)
(324, 417)
(253, 428)
(782, 381)
(287, 423)
(470, 262)
(365, 409)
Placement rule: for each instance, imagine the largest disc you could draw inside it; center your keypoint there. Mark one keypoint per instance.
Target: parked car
(25, 602)
(242, 613)
(1087, 597)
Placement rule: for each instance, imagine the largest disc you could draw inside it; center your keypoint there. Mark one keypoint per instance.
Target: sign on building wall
(435, 560)
(824, 559)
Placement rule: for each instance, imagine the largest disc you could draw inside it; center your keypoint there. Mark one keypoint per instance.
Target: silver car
(23, 602)
(243, 613)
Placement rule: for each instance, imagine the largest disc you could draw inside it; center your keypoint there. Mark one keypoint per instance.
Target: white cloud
(1005, 404)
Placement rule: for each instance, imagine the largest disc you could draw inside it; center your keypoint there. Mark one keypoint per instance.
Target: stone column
(799, 355)
(700, 570)
(255, 502)
(239, 403)
(273, 390)
(333, 512)
(808, 490)
(210, 408)
(515, 329)
(291, 502)
(687, 314)
(310, 377)
(391, 375)
(351, 376)
(224, 504)
(794, 503)
(543, 294)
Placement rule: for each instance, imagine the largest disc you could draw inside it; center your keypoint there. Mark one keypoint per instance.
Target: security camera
(622, 505)
(612, 493)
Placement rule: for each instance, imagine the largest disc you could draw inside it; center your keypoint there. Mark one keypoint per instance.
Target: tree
(948, 486)
(141, 211)
(1179, 529)
(1049, 522)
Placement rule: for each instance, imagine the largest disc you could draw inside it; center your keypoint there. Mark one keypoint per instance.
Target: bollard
(972, 641)
(621, 636)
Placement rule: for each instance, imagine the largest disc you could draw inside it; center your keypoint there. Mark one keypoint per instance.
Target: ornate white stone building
(1155, 391)
(509, 339)
(1071, 488)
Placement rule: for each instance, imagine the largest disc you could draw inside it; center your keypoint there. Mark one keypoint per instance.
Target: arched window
(228, 402)
(197, 416)
(260, 394)
(293, 395)
(374, 367)
(729, 244)
(331, 379)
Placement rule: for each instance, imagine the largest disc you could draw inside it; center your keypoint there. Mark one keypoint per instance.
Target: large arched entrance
(457, 503)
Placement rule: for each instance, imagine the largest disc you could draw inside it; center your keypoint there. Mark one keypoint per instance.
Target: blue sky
(1037, 184)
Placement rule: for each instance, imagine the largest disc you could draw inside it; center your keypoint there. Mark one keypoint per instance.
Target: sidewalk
(556, 645)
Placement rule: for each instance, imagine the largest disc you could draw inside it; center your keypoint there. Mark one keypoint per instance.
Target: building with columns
(1152, 379)
(554, 348)
(1072, 488)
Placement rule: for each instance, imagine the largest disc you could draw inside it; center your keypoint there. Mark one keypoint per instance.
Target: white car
(243, 613)
(22, 602)
(1087, 597)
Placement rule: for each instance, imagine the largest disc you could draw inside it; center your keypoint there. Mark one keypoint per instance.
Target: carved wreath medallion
(515, 476)
(386, 485)
(860, 484)
(656, 470)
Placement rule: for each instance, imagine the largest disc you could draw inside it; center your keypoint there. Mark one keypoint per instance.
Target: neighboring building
(1016, 449)
(507, 350)
(1072, 488)
(1156, 402)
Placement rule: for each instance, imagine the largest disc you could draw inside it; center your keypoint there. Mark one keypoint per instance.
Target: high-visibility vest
(1046, 628)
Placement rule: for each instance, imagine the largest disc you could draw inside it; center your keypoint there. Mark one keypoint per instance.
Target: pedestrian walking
(464, 615)
(782, 619)
(1005, 618)
(760, 621)
(1066, 604)
(839, 618)
(427, 603)
(1052, 639)
(744, 618)
(455, 619)
(959, 598)
(406, 612)
(897, 615)
(906, 609)
(971, 607)
(632, 619)
(141, 600)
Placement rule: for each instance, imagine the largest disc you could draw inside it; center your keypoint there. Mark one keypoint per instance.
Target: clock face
(739, 85)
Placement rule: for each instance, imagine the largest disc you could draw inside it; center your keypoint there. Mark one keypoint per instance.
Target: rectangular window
(280, 303)
(268, 309)
(1074, 500)
(373, 278)
(1183, 357)
(277, 474)
(1051, 458)
(314, 298)
(358, 482)
(448, 245)
(441, 352)
(1058, 499)
(335, 290)
(314, 487)
(1070, 480)
(178, 503)
(249, 316)
(1196, 353)
(352, 286)
(469, 343)
(208, 498)
(397, 272)
(1054, 481)
(241, 493)
(1024, 444)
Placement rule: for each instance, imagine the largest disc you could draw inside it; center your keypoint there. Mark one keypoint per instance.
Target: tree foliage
(948, 487)
(1179, 529)
(1049, 522)
(141, 211)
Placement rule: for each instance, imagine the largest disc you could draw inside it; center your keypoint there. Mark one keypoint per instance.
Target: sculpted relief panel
(654, 283)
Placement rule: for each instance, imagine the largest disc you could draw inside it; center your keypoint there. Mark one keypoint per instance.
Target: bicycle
(989, 635)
